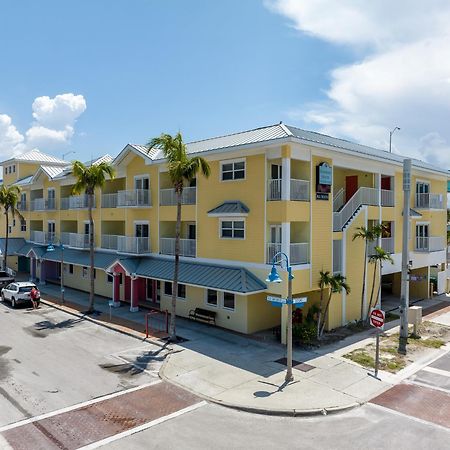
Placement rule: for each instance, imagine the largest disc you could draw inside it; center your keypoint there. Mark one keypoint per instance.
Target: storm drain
(303, 367)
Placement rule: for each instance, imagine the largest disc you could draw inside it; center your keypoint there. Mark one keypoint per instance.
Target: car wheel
(13, 303)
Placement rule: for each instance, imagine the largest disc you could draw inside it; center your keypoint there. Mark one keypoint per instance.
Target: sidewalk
(243, 373)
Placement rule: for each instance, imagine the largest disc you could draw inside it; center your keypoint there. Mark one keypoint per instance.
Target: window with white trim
(232, 229)
(229, 301)
(181, 289)
(109, 278)
(212, 297)
(84, 272)
(232, 170)
(71, 269)
(23, 225)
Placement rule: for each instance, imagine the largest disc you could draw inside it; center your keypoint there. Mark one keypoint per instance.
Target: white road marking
(444, 373)
(77, 406)
(416, 419)
(429, 386)
(143, 427)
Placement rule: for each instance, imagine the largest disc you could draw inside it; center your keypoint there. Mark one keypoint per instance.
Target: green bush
(304, 333)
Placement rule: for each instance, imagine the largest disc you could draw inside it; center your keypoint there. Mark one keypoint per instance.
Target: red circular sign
(377, 318)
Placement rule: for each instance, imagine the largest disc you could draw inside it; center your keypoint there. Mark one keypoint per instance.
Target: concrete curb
(123, 330)
(263, 411)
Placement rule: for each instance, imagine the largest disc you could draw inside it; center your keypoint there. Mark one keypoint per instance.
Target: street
(69, 383)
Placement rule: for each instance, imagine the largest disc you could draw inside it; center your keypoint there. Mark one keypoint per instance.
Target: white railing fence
(110, 241)
(76, 240)
(430, 244)
(38, 204)
(387, 244)
(136, 197)
(272, 249)
(387, 198)
(433, 201)
(299, 190)
(168, 197)
(274, 190)
(109, 200)
(338, 199)
(76, 202)
(42, 237)
(187, 247)
(299, 253)
(128, 244)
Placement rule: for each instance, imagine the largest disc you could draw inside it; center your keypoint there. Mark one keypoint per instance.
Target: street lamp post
(273, 277)
(390, 138)
(51, 248)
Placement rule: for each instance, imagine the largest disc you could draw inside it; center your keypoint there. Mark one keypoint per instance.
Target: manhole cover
(296, 364)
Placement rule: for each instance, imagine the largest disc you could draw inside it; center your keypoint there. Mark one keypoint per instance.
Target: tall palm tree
(367, 235)
(377, 259)
(325, 280)
(337, 284)
(182, 169)
(9, 196)
(89, 178)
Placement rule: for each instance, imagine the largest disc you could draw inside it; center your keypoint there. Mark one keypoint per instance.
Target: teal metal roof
(230, 207)
(81, 257)
(14, 244)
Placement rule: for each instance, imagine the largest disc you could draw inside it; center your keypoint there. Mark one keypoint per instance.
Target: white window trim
(232, 219)
(217, 305)
(170, 295)
(141, 177)
(222, 302)
(232, 161)
(82, 272)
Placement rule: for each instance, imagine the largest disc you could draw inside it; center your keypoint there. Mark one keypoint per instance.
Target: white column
(286, 238)
(286, 179)
(116, 290)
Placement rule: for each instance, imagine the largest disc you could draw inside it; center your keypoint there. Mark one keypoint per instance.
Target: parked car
(5, 279)
(17, 293)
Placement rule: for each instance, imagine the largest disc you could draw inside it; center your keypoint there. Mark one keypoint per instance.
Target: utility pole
(404, 295)
(390, 138)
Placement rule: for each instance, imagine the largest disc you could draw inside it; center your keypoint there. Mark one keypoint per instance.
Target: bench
(203, 314)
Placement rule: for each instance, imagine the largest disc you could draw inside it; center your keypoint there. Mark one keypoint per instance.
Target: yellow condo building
(276, 188)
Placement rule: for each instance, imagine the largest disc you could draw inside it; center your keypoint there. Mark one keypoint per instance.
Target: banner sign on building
(324, 179)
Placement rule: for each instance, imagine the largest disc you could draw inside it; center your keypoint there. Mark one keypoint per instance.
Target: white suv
(18, 292)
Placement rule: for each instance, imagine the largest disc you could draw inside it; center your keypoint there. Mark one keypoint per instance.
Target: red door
(351, 186)
(386, 183)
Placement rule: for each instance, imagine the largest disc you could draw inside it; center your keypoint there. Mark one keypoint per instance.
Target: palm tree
(9, 196)
(325, 281)
(367, 235)
(88, 179)
(378, 258)
(337, 284)
(182, 169)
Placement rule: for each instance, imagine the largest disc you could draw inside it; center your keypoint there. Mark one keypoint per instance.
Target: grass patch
(427, 342)
(362, 358)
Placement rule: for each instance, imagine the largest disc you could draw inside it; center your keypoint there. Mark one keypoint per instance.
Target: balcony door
(191, 231)
(142, 183)
(351, 186)
(141, 230)
(276, 172)
(275, 234)
(422, 236)
(150, 293)
(51, 228)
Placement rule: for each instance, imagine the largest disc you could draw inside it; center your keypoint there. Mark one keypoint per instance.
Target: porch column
(32, 269)
(286, 239)
(116, 290)
(286, 178)
(134, 303)
(43, 274)
(154, 291)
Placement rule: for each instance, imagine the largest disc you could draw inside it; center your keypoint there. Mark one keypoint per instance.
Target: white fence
(135, 197)
(429, 244)
(299, 189)
(138, 245)
(42, 237)
(76, 202)
(299, 252)
(168, 197)
(338, 199)
(110, 241)
(387, 198)
(187, 247)
(76, 240)
(38, 204)
(109, 200)
(429, 201)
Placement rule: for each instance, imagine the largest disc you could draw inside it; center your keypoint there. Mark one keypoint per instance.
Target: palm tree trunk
(364, 279)
(372, 291)
(327, 306)
(172, 330)
(91, 253)
(319, 319)
(6, 240)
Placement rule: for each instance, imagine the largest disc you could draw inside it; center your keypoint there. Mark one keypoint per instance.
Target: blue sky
(142, 67)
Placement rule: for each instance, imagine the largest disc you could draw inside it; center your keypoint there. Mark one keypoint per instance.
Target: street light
(390, 138)
(274, 277)
(51, 248)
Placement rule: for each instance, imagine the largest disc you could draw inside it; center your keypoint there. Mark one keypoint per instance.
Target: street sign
(299, 300)
(377, 317)
(277, 301)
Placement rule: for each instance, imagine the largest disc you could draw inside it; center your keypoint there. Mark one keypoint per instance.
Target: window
(181, 291)
(23, 225)
(109, 278)
(14, 169)
(211, 297)
(142, 183)
(71, 268)
(234, 170)
(84, 272)
(14, 222)
(232, 229)
(228, 300)
(9, 229)
(167, 288)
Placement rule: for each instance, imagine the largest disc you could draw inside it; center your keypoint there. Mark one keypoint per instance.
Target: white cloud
(400, 78)
(53, 126)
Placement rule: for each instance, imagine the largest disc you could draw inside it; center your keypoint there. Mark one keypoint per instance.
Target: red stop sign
(377, 318)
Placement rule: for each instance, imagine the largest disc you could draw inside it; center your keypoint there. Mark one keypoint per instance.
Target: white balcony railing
(168, 197)
(430, 244)
(429, 201)
(187, 247)
(338, 199)
(387, 244)
(42, 237)
(110, 241)
(299, 189)
(38, 204)
(299, 252)
(76, 202)
(135, 197)
(75, 240)
(387, 198)
(22, 206)
(137, 245)
(109, 200)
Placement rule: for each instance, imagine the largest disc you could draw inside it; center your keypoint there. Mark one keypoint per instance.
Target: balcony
(110, 241)
(135, 197)
(129, 244)
(387, 198)
(42, 237)
(75, 240)
(299, 190)
(187, 247)
(387, 244)
(109, 200)
(41, 204)
(76, 202)
(168, 197)
(299, 252)
(429, 244)
(429, 201)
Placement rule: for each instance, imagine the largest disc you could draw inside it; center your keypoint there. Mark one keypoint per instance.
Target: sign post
(377, 319)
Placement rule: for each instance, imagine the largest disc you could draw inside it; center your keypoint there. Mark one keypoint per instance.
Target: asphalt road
(51, 361)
